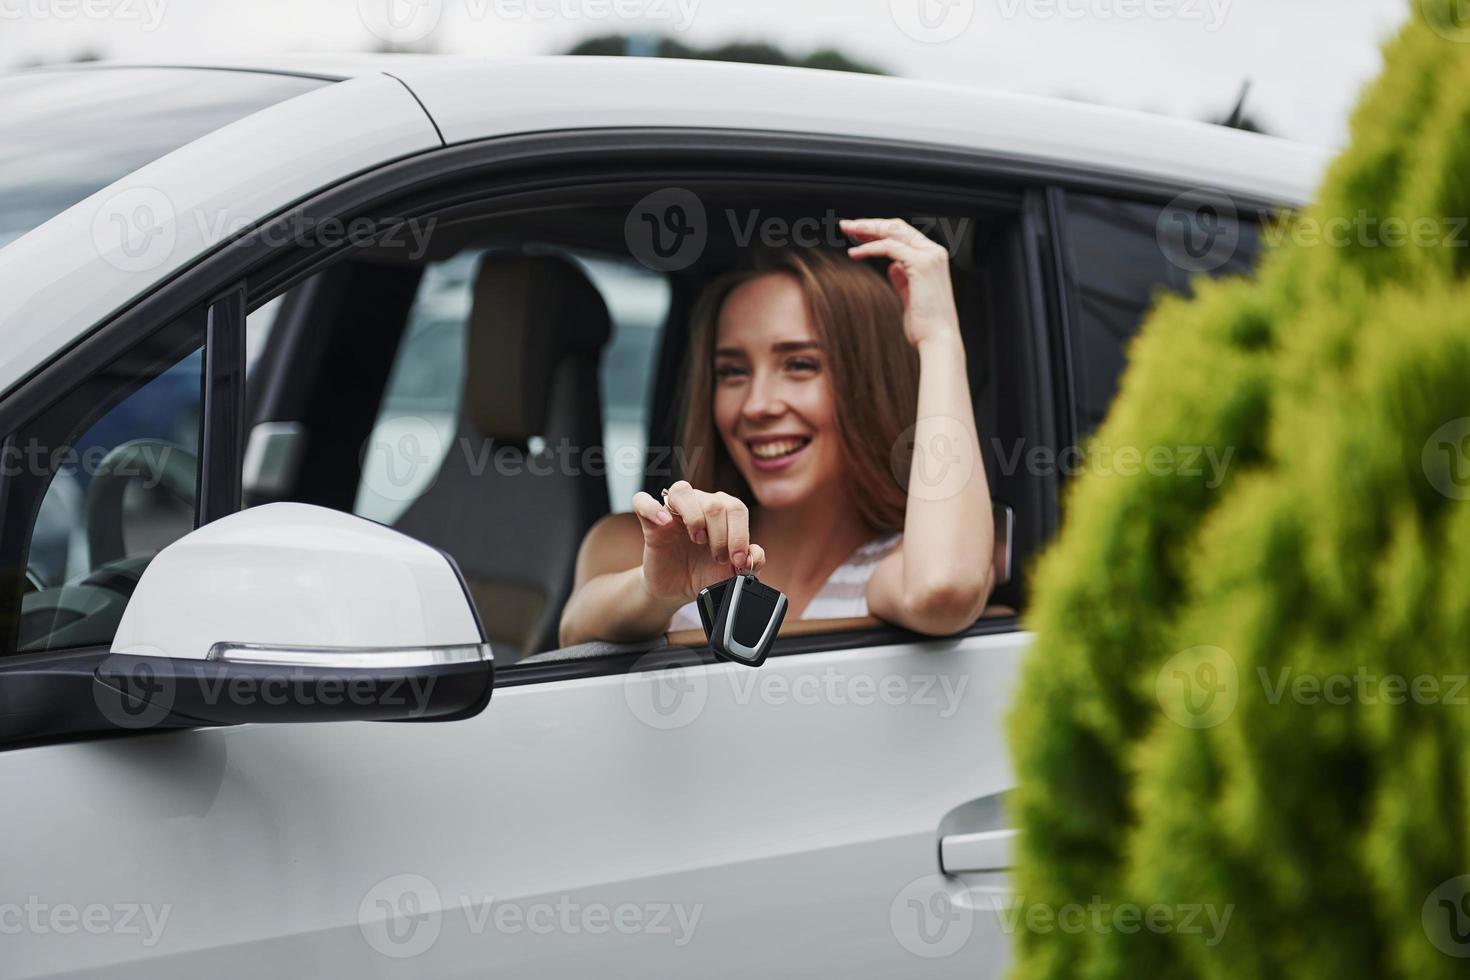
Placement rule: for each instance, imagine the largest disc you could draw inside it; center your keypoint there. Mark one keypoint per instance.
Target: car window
(1118, 256)
(419, 414)
(119, 457)
(65, 134)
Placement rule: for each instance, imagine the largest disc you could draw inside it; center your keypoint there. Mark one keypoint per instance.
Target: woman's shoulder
(612, 544)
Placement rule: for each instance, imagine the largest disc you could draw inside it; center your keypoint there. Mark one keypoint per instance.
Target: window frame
(511, 168)
(59, 682)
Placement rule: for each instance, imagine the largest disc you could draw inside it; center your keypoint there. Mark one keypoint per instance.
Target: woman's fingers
(728, 524)
(684, 501)
(885, 248)
(717, 521)
(737, 531)
(651, 514)
(757, 559)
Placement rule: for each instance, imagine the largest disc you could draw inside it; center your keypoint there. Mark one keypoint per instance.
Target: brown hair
(858, 318)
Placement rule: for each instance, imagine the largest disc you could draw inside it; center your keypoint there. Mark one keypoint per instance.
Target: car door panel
(707, 821)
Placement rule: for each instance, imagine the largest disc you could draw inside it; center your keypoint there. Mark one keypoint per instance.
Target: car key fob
(708, 604)
(747, 617)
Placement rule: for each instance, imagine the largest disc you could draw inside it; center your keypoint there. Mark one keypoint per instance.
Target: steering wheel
(175, 469)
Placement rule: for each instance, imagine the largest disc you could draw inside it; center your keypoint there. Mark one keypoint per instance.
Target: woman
(807, 375)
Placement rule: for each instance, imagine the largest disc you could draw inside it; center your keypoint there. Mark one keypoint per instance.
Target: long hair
(874, 374)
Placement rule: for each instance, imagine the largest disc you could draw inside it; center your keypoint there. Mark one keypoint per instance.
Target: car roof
(388, 107)
(562, 92)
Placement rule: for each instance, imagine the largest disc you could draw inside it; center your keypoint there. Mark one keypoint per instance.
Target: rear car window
(66, 134)
(1118, 265)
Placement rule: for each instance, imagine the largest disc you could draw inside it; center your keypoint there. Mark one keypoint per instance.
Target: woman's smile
(772, 453)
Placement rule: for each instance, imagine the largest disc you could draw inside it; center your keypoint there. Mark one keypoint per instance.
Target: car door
(623, 811)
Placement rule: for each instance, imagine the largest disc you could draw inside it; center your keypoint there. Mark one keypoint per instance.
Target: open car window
(499, 394)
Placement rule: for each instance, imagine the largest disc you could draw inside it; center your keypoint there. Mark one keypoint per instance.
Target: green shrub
(1337, 552)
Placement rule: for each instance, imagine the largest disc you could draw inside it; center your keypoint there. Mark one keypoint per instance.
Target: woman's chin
(776, 493)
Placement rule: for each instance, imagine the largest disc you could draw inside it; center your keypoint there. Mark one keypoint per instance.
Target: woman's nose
(764, 398)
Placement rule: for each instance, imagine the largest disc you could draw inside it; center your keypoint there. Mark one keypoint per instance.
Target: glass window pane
(66, 134)
(1117, 267)
(119, 491)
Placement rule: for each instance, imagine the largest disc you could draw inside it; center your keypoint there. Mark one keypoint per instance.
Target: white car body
(720, 822)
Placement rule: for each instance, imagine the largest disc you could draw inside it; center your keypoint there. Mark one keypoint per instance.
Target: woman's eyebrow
(783, 347)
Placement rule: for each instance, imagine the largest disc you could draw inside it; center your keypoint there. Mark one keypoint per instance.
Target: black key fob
(708, 604)
(747, 617)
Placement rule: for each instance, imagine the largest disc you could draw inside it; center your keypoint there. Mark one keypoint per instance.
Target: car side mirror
(290, 612)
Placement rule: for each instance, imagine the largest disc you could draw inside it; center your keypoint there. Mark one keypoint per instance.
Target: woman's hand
(698, 539)
(919, 271)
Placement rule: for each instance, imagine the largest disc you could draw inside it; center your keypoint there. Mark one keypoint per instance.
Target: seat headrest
(529, 313)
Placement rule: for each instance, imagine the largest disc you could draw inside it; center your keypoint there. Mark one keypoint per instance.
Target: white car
(316, 373)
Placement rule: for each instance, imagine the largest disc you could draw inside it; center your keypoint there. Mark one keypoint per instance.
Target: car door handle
(989, 850)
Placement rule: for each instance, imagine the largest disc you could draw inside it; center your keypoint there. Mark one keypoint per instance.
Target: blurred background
(1292, 68)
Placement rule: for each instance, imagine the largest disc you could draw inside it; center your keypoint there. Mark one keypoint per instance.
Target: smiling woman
(810, 380)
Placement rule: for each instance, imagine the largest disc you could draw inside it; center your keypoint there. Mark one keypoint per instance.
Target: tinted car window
(1118, 256)
(65, 134)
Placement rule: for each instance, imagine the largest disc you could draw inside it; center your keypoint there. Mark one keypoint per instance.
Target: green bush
(1170, 749)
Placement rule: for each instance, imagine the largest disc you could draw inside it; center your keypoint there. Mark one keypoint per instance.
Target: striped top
(843, 595)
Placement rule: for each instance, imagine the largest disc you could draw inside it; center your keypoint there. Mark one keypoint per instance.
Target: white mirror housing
(302, 600)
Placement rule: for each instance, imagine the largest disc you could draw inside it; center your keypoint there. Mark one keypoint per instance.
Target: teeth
(771, 450)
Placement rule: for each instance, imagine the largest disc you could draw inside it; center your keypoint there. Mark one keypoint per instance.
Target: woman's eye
(803, 365)
(726, 371)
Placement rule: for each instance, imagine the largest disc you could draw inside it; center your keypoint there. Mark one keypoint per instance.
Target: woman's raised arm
(938, 581)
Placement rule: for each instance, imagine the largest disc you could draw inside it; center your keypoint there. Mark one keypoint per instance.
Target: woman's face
(774, 404)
